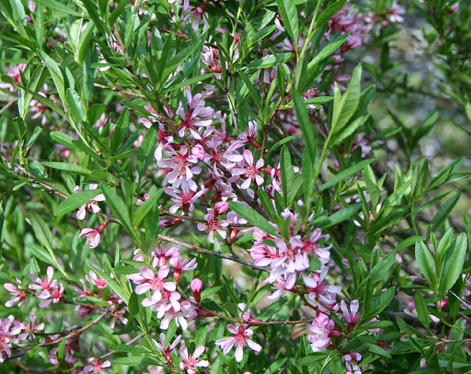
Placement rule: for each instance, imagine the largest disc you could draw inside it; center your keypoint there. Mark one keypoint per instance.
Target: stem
(310, 33)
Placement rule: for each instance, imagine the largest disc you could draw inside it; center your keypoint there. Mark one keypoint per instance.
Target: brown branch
(118, 89)
(167, 31)
(224, 256)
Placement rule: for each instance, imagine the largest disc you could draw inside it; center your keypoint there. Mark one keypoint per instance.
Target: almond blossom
(191, 362)
(30, 328)
(213, 225)
(17, 294)
(250, 171)
(96, 366)
(240, 340)
(92, 205)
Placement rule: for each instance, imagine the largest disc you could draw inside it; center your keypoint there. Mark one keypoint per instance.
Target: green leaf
(120, 131)
(422, 310)
(426, 263)
(75, 201)
(75, 106)
(148, 205)
(44, 236)
(55, 72)
(186, 82)
(305, 125)
(340, 177)
(443, 214)
(453, 264)
(287, 174)
(137, 348)
(289, 14)
(380, 303)
(382, 267)
(72, 168)
(119, 209)
(327, 50)
(253, 217)
(269, 61)
(337, 217)
(250, 86)
(327, 14)
(138, 361)
(112, 282)
(346, 107)
(145, 154)
(446, 174)
(59, 7)
(268, 205)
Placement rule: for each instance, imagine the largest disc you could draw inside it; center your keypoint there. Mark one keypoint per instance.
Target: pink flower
(181, 169)
(43, 284)
(18, 295)
(213, 225)
(92, 205)
(316, 287)
(93, 236)
(148, 280)
(191, 118)
(96, 366)
(322, 329)
(167, 350)
(196, 286)
(8, 329)
(250, 135)
(196, 13)
(191, 362)
(240, 340)
(251, 171)
(31, 328)
(352, 315)
(96, 281)
(180, 265)
(184, 198)
(395, 11)
(351, 361)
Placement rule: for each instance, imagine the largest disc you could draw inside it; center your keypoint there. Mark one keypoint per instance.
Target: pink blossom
(240, 340)
(8, 329)
(167, 350)
(31, 328)
(162, 254)
(191, 362)
(97, 281)
(96, 366)
(196, 13)
(352, 315)
(213, 225)
(92, 205)
(93, 236)
(53, 295)
(250, 135)
(180, 265)
(17, 294)
(251, 171)
(320, 289)
(191, 118)
(43, 284)
(196, 286)
(322, 329)
(181, 170)
(395, 12)
(351, 361)
(148, 280)
(184, 198)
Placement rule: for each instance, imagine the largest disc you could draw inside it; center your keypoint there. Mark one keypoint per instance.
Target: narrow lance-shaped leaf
(75, 201)
(289, 14)
(426, 263)
(453, 263)
(253, 217)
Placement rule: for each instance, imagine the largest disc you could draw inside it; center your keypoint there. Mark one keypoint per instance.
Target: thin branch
(118, 89)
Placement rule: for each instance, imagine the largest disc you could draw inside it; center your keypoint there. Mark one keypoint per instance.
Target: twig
(117, 89)
(224, 256)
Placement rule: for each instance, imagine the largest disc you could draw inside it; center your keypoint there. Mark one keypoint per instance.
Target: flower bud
(221, 207)
(101, 228)
(196, 286)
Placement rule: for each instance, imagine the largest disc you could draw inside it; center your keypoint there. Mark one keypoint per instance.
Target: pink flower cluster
(164, 297)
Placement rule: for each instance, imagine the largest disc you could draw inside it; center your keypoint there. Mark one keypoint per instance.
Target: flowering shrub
(202, 187)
